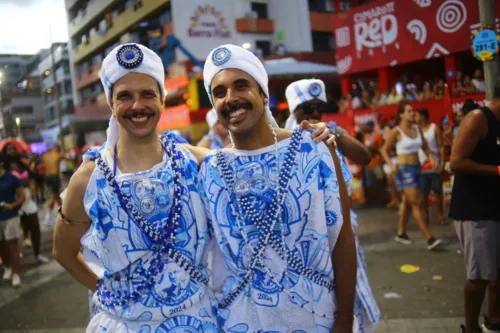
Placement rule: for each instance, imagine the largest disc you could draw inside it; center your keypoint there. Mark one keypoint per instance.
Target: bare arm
(205, 143)
(388, 146)
(426, 149)
(344, 257)
(67, 237)
(353, 149)
(440, 142)
(473, 128)
(199, 152)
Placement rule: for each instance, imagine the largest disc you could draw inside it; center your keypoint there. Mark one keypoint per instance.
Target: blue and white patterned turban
(300, 92)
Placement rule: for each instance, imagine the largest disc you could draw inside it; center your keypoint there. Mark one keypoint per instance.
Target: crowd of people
(370, 97)
(29, 184)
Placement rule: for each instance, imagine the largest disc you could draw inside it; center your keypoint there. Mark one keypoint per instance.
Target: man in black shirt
(475, 207)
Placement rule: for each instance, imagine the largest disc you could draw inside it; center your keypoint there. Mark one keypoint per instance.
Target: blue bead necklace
(162, 242)
(274, 210)
(246, 209)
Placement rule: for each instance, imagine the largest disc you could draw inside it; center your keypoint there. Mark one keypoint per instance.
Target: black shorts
(431, 181)
(53, 183)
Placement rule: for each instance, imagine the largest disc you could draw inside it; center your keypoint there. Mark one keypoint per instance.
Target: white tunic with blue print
(115, 243)
(311, 223)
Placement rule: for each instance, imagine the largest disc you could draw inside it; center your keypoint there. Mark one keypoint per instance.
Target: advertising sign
(388, 33)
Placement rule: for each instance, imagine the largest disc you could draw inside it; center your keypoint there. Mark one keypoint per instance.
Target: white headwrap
(300, 92)
(212, 118)
(232, 56)
(122, 60)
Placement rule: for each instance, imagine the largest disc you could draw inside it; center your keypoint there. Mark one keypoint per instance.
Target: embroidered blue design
(267, 237)
(315, 89)
(129, 56)
(163, 240)
(221, 56)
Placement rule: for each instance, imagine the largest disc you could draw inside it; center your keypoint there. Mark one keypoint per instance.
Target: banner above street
(388, 33)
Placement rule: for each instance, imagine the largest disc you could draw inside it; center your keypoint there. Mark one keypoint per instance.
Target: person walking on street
(52, 161)
(431, 178)
(29, 218)
(475, 209)
(11, 200)
(408, 140)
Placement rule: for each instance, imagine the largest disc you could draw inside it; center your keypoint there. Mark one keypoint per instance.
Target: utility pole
(55, 90)
(487, 18)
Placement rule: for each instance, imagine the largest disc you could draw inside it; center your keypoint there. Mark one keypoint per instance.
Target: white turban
(300, 92)
(212, 118)
(232, 56)
(122, 60)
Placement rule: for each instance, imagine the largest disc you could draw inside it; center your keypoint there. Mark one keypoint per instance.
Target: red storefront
(385, 34)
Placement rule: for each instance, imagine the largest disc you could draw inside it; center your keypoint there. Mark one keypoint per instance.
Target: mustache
(235, 106)
(133, 114)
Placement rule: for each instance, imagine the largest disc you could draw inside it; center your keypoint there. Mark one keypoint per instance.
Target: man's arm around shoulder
(474, 128)
(67, 236)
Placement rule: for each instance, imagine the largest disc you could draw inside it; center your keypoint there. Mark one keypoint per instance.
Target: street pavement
(429, 300)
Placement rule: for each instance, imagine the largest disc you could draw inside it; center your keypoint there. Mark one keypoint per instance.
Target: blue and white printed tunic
(115, 243)
(311, 222)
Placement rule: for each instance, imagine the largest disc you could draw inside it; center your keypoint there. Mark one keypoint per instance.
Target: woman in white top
(407, 139)
(431, 177)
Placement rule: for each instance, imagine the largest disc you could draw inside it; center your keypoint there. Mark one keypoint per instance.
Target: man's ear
(264, 98)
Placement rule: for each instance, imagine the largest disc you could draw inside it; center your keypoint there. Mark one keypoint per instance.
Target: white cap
(231, 56)
(122, 60)
(303, 91)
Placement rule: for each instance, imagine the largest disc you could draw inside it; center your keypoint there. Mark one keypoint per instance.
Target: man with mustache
(307, 101)
(285, 259)
(136, 212)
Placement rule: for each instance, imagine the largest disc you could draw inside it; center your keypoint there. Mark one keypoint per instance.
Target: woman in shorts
(407, 139)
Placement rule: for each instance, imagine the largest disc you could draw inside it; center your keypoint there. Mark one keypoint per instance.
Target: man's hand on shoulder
(199, 152)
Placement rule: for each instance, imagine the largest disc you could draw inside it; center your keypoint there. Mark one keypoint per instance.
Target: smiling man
(136, 213)
(285, 259)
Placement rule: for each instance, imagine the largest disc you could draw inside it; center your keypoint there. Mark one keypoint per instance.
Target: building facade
(55, 74)
(269, 28)
(20, 97)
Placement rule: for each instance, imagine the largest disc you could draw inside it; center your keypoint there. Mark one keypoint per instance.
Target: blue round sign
(485, 44)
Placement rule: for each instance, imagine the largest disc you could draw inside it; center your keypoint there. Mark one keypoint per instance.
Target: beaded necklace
(279, 245)
(163, 241)
(274, 210)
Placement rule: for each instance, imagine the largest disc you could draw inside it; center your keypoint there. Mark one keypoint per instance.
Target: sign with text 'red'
(202, 25)
(388, 33)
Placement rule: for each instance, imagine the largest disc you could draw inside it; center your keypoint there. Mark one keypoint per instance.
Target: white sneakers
(7, 273)
(16, 279)
(41, 259)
